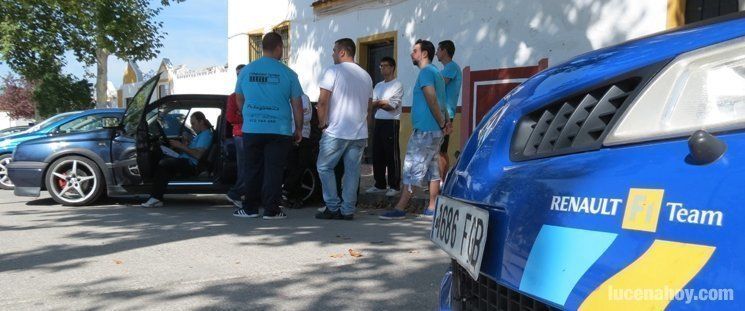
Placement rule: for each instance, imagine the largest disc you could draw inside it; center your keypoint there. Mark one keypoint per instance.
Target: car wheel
(5, 182)
(74, 181)
(310, 185)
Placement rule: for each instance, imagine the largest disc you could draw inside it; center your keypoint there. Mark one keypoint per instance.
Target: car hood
(8, 143)
(515, 193)
(483, 161)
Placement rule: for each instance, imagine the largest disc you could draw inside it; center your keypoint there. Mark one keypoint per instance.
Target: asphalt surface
(193, 254)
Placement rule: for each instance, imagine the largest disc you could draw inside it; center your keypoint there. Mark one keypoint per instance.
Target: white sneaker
(243, 214)
(374, 190)
(237, 203)
(152, 203)
(392, 192)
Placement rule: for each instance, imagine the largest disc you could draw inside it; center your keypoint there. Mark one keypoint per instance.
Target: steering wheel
(161, 136)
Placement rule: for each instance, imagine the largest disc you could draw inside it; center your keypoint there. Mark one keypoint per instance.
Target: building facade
(177, 80)
(488, 33)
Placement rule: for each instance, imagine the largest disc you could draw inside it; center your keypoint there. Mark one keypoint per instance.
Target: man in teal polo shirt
(431, 122)
(453, 78)
(269, 94)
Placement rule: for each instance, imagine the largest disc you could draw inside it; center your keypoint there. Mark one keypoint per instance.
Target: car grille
(573, 125)
(485, 294)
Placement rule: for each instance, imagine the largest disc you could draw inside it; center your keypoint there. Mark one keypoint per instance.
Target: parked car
(13, 130)
(63, 123)
(618, 171)
(119, 160)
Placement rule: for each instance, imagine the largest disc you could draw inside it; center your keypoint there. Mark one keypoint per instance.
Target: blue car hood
(517, 194)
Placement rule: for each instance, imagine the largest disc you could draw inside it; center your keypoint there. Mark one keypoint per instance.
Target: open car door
(131, 148)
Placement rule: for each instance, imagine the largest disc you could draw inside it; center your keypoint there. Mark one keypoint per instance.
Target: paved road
(193, 254)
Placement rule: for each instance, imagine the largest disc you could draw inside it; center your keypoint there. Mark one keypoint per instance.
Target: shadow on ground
(117, 225)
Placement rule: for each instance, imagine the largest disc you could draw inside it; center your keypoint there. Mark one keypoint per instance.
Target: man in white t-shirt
(387, 97)
(343, 107)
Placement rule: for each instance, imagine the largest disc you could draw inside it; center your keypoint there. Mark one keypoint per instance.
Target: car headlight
(700, 90)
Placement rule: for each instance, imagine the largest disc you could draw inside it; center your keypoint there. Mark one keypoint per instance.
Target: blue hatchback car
(609, 182)
(63, 123)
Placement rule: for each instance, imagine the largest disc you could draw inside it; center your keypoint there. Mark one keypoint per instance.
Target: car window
(48, 121)
(172, 120)
(84, 124)
(137, 106)
(212, 114)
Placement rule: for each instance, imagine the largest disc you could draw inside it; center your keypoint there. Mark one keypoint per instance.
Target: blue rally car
(63, 123)
(610, 182)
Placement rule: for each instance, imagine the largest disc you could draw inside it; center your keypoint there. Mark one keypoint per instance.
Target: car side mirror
(110, 122)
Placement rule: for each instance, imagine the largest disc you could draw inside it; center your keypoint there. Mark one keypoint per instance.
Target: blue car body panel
(9, 143)
(561, 257)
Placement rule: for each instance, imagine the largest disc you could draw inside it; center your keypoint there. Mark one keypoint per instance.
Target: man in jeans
(431, 122)
(343, 108)
(269, 95)
(233, 115)
(387, 96)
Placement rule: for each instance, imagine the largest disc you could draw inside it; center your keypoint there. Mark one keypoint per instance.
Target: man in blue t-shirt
(269, 95)
(431, 122)
(453, 79)
(186, 161)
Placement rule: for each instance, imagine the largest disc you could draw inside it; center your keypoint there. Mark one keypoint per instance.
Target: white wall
(221, 83)
(6, 121)
(487, 33)
(249, 15)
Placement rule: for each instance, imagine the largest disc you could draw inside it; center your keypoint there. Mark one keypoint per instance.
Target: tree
(17, 98)
(35, 34)
(56, 93)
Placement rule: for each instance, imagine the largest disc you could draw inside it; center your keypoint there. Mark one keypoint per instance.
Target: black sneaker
(276, 215)
(345, 217)
(327, 214)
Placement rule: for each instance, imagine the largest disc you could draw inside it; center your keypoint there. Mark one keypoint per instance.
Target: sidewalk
(379, 201)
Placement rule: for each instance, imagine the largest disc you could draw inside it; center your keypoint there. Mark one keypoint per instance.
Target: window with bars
(284, 32)
(254, 47)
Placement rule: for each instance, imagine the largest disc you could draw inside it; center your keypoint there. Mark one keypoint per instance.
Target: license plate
(460, 230)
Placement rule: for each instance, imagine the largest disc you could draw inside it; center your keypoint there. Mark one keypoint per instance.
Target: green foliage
(56, 93)
(35, 34)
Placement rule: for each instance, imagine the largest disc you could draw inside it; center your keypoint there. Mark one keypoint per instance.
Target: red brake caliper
(61, 182)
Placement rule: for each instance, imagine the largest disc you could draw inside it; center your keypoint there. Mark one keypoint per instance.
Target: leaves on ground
(336, 255)
(118, 262)
(355, 253)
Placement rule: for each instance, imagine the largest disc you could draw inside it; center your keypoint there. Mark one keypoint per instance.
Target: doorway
(372, 49)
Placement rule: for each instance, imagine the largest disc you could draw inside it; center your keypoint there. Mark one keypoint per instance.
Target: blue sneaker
(428, 213)
(394, 214)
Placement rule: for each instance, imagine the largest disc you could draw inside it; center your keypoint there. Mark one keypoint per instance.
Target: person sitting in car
(187, 160)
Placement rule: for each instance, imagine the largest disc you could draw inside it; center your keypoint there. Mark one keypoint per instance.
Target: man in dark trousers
(269, 93)
(387, 96)
(233, 115)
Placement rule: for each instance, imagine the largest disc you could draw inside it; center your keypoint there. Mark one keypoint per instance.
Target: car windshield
(48, 121)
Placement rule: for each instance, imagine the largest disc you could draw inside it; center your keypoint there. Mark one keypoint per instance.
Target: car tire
(5, 182)
(74, 181)
(310, 185)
